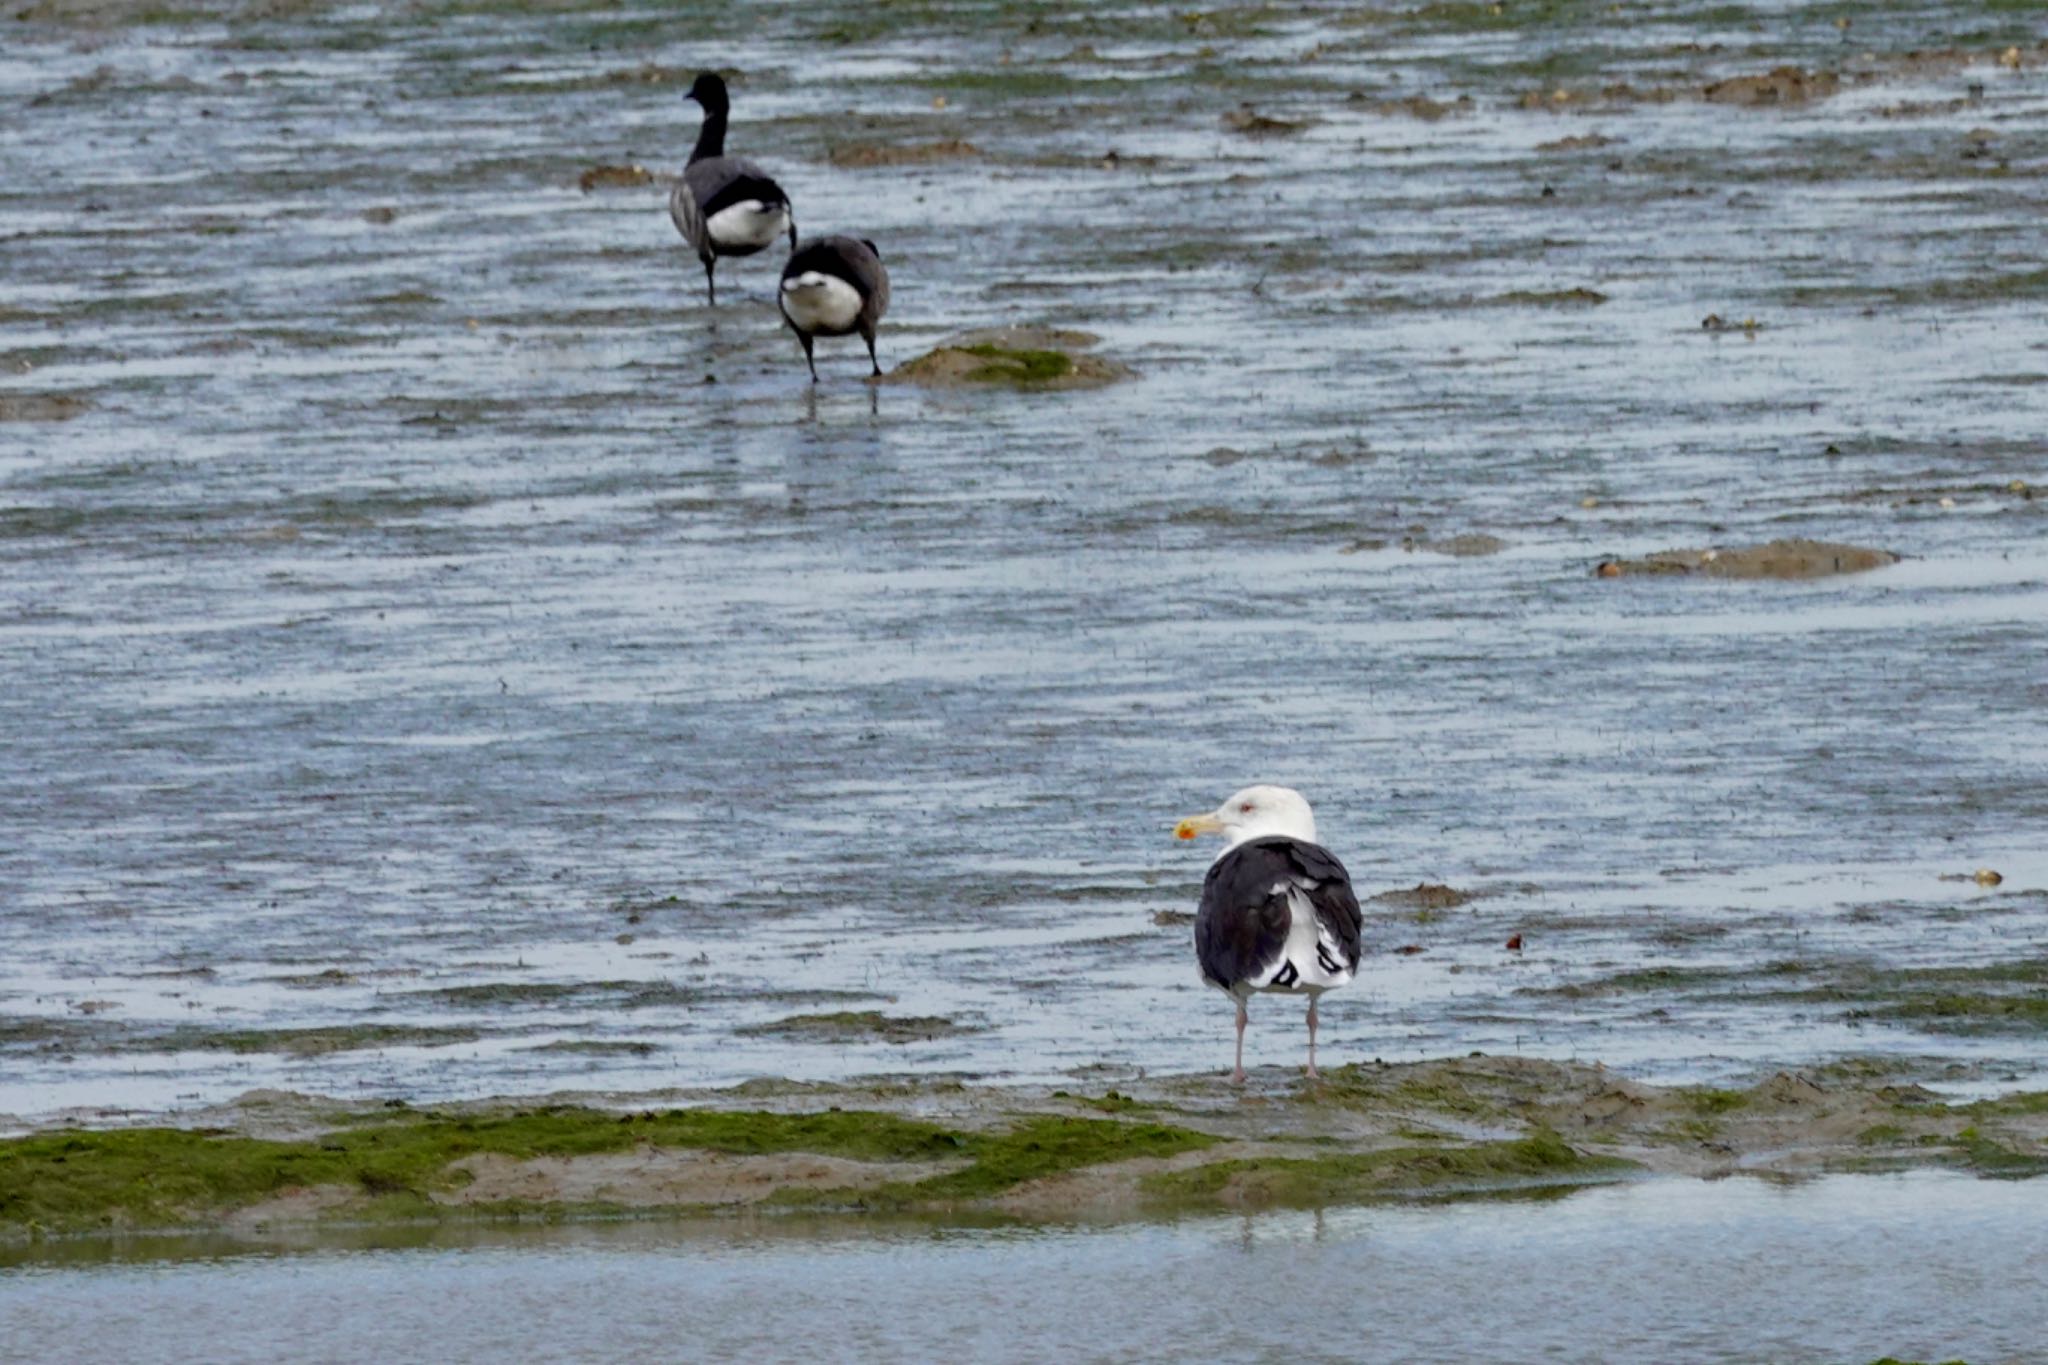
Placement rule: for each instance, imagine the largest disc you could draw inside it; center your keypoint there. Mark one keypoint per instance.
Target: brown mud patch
(614, 178)
(1251, 123)
(1785, 85)
(1470, 545)
(868, 155)
(1414, 106)
(40, 407)
(1423, 896)
(1582, 142)
(1780, 559)
(1789, 86)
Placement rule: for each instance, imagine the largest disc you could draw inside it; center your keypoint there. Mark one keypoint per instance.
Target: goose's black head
(709, 90)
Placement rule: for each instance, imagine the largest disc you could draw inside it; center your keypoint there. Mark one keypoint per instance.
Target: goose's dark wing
(719, 182)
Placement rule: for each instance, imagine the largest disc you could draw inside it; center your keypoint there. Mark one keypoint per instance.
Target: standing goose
(833, 287)
(725, 205)
(1277, 910)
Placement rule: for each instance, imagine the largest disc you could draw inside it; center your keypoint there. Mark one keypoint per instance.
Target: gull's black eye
(1246, 808)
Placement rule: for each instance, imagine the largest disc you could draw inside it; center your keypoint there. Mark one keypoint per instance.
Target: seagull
(832, 287)
(1277, 911)
(725, 205)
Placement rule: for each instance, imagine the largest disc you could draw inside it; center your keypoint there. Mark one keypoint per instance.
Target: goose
(833, 287)
(1277, 911)
(725, 205)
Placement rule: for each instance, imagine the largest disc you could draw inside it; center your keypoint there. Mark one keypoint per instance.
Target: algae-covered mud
(276, 1165)
(445, 660)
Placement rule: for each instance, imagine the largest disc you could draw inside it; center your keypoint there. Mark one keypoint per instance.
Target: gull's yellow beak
(1197, 824)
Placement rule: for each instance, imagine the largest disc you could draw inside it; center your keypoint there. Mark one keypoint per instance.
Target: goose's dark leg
(867, 334)
(710, 281)
(1313, 1074)
(805, 338)
(792, 231)
(1237, 1074)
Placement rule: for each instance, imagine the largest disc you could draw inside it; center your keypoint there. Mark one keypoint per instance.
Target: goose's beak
(1197, 824)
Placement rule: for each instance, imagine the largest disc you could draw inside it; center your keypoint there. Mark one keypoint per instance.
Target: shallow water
(449, 624)
(1927, 1266)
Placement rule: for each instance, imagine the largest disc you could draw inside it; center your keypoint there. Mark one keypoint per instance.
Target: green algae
(615, 995)
(1988, 1157)
(34, 1032)
(2024, 1102)
(1690, 1130)
(164, 1177)
(306, 1042)
(393, 1162)
(1576, 297)
(1471, 1094)
(1006, 366)
(1027, 358)
(1971, 1012)
(1308, 1182)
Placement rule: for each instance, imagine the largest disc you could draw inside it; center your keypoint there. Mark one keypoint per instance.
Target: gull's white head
(1254, 813)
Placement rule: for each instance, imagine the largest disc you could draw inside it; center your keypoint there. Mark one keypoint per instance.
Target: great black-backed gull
(1277, 910)
(725, 205)
(833, 287)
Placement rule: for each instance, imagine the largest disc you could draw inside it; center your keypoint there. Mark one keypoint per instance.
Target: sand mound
(1035, 358)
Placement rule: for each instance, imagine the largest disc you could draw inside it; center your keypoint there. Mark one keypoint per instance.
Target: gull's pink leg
(1237, 1076)
(1313, 1074)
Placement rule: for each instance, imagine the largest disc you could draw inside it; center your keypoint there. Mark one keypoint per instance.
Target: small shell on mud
(1514, 945)
(1948, 502)
(1984, 876)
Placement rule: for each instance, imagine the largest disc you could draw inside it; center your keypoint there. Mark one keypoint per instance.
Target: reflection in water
(1927, 1266)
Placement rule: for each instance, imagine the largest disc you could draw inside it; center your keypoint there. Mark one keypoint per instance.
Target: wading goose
(1277, 910)
(833, 287)
(725, 205)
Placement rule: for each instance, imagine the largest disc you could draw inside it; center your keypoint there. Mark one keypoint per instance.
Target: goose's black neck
(711, 137)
